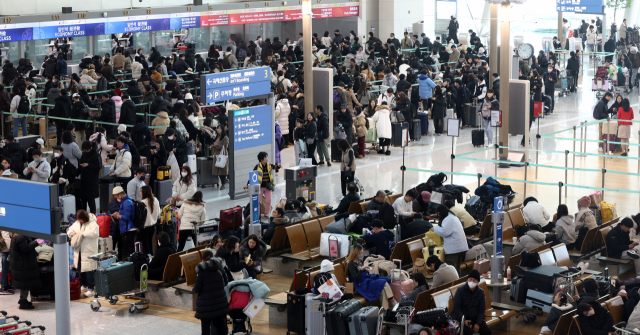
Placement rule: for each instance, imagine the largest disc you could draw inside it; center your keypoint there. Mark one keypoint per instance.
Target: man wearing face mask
(594, 319)
(39, 169)
(63, 172)
(550, 78)
(134, 187)
(125, 215)
(121, 166)
(469, 302)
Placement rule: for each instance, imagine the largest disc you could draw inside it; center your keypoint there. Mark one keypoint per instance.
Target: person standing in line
(153, 215)
(220, 148)
(490, 104)
(310, 130)
(347, 166)
(625, 115)
(25, 272)
(192, 213)
(184, 187)
(84, 234)
(322, 136)
(4, 254)
(453, 29)
(125, 216)
(212, 306)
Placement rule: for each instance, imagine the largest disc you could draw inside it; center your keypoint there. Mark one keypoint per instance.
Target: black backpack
(279, 84)
(140, 215)
(388, 216)
(23, 106)
(17, 164)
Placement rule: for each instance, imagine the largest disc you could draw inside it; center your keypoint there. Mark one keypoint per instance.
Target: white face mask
(549, 70)
(591, 312)
(472, 285)
(170, 137)
(184, 174)
(56, 155)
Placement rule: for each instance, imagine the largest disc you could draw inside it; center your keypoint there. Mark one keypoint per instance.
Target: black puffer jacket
(210, 283)
(469, 303)
(50, 67)
(128, 113)
(600, 323)
(89, 174)
(159, 103)
(190, 56)
(159, 261)
(232, 259)
(24, 264)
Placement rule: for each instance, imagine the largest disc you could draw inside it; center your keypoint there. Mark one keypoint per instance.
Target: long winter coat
(183, 190)
(278, 137)
(361, 125)
(282, 115)
(217, 150)
(190, 212)
(161, 119)
(89, 175)
(23, 262)
(210, 283)
(90, 232)
(383, 121)
(122, 163)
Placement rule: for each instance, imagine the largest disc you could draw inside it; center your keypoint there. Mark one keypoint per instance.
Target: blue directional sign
(252, 127)
(233, 85)
(580, 6)
(498, 204)
(253, 178)
(26, 199)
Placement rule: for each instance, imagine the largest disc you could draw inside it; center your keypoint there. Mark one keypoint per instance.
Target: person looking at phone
(620, 246)
(371, 287)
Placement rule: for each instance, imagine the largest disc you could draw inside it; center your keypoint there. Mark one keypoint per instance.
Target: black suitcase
(295, 309)
(518, 291)
(435, 317)
(477, 137)
(48, 289)
(336, 154)
(471, 115)
(336, 319)
(416, 131)
(542, 278)
(547, 104)
(106, 188)
(396, 133)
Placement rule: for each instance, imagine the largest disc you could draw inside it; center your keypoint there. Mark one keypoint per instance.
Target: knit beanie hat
(475, 274)
(426, 196)
(526, 201)
(584, 201)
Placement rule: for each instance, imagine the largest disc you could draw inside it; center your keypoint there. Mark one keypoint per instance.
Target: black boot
(24, 304)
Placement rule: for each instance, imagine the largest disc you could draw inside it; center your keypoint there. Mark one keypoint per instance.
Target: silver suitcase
(255, 229)
(449, 115)
(163, 191)
(313, 320)
(105, 244)
(105, 170)
(205, 168)
(68, 205)
(364, 321)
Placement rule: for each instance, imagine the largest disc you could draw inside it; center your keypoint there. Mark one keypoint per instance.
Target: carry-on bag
(296, 306)
(313, 315)
(518, 292)
(163, 191)
(164, 172)
(336, 319)
(398, 286)
(364, 321)
(477, 136)
(481, 264)
(114, 279)
(416, 131)
(230, 219)
(542, 278)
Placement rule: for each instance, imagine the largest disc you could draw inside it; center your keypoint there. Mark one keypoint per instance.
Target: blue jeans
(4, 278)
(17, 122)
(488, 130)
(86, 279)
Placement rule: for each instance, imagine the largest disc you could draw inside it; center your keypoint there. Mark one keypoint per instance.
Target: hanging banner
(16, 32)
(185, 20)
(59, 29)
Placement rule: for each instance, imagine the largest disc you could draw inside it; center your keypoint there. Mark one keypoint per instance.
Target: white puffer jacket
(585, 218)
(535, 213)
(122, 164)
(282, 115)
(89, 245)
(383, 121)
(183, 190)
(190, 212)
(7, 240)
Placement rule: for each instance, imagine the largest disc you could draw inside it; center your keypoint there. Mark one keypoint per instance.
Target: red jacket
(625, 115)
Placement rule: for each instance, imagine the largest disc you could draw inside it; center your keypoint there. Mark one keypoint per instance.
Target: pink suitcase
(398, 286)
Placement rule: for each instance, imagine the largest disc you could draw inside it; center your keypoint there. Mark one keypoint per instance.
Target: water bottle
(509, 273)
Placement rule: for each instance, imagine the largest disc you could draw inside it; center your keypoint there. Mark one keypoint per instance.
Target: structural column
(505, 70)
(308, 56)
(631, 13)
(562, 39)
(493, 48)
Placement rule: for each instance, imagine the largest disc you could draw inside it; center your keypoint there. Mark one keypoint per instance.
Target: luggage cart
(28, 330)
(108, 258)
(620, 329)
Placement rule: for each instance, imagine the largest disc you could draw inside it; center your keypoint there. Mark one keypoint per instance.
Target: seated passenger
(468, 222)
(382, 239)
(535, 213)
(403, 206)
(416, 227)
(302, 210)
(469, 302)
(352, 195)
(455, 242)
(326, 267)
(371, 287)
(585, 217)
(253, 247)
(561, 304)
(419, 285)
(159, 261)
(531, 239)
(619, 244)
(424, 205)
(376, 202)
(565, 227)
(442, 272)
(291, 212)
(277, 219)
(594, 319)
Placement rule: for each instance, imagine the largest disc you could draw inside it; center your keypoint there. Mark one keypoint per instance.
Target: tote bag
(221, 159)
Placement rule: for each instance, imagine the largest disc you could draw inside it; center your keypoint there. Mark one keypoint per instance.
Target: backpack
(16, 161)
(336, 96)
(242, 53)
(388, 216)
(23, 105)
(140, 214)
(282, 144)
(225, 62)
(279, 84)
(468, 93)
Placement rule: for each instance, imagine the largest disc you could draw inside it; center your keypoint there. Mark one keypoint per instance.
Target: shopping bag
(436, 197)
(596, 199)
(330, 290)
(431, 238)
(221, 159)
(254, 306)
(372, 135)
(608, 211)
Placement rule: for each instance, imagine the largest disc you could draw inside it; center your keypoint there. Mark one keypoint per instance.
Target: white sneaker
(83, 289)
(89, 293)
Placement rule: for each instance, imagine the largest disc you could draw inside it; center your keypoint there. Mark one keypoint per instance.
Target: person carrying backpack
(16, 153)
(125, 215)
(20, 104)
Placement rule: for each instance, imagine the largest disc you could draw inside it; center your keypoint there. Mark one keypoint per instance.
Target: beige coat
(162, 119)
(345, 159)
(6, 236)
(183, 190)
(217, 148)
(89, 245)
(352, 100)
(361, 125)
(190, 212)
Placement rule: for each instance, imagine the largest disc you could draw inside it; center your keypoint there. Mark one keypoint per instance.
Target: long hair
(147, 193)
(189, 178)
(230, 244)
(353, 255)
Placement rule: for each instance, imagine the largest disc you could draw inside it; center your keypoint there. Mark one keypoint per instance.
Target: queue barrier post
(560, 192)
(537, 152)
(574, 146)
(585, 136)
(639, 153)
(495, 158)
(452, 158)
(46, 127)
(526, 167)
(604, 172)
(566, 171)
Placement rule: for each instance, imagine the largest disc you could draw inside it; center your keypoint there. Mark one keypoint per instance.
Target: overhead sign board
(252, 127)
(26, 207)
(59, 29)
(580, 6)
(233, 85)
(185, 20)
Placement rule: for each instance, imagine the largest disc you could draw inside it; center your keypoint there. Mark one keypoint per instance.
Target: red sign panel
(215, 19)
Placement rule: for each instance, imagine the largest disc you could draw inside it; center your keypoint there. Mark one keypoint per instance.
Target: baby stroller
(247, 298)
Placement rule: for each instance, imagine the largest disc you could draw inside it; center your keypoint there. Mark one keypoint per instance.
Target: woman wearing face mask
(89, 172)
(84, 235)
(153, 215)
(255, 248)
(185, 187)
(159, 260)
(594, 319)
(220, 148)
(191, 214)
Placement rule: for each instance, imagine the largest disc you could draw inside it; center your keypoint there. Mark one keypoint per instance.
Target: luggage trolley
(28, 330)
(620, 329)
(107, 259)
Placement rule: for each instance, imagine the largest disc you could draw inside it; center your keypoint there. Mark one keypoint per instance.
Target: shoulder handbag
(221, 159)
(400, 117)
(28, 175)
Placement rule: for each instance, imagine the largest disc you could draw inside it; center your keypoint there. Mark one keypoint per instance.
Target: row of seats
(625, 267)
(179, 271)
(614, 305)
(360, 206)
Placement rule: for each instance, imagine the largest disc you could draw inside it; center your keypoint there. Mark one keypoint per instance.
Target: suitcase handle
(393, 269)
(295, 282)
(138, 247)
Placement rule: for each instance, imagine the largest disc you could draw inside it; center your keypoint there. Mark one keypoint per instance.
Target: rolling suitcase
(416, 132)
(477, 137)
(609, 138)
(336, 154)
(296, 307)
(448, 115)
(313, 318)
(163, 190)
(205, 168)
(539, 300)
(191, 163)
(396, 133)
(230, 219)
(114, 279)
(424, 123)
(336, 319)
(105, 244)
(398, 286)
(471, 117)
(518, 292)
(68, 206)
(364, 321)
(48, 289)
(106, 188)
